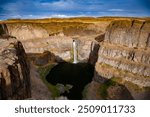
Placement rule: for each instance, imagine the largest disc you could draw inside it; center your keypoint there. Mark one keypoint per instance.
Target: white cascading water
(75, 52)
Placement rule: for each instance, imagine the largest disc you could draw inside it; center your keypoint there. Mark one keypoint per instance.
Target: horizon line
(71, 17)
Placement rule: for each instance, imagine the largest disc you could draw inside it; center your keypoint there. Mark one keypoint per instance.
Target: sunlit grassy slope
(75, 19)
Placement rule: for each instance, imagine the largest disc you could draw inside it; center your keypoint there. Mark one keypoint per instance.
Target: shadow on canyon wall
(4, 33)
(44, 58)
(2, 88)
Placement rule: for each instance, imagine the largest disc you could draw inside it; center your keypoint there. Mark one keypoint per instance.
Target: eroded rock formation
(14, 70)
(26, 31)
(125, 55)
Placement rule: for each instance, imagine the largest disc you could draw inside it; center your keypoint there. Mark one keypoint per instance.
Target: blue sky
(72, 8)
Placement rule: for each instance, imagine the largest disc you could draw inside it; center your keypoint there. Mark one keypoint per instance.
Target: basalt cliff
(124, 56)
(14, 70)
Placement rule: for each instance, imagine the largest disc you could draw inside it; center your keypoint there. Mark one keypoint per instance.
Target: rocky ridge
(14, 70)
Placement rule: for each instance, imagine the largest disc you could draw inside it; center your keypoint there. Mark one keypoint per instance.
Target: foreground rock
(109, 90)
(38, 88)
(14, 70)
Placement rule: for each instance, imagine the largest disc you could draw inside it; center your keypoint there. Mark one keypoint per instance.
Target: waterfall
(75, 52)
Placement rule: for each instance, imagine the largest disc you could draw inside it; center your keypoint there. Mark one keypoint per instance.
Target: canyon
(117, 48)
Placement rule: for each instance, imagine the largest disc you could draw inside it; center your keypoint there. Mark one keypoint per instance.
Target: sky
(29, 9)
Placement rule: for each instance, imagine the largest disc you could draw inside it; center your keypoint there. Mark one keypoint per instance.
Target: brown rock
(125, 54)
(130, 33)
(26, 31)
(14, 71)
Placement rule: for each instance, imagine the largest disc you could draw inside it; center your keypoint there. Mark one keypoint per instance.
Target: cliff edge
(124, 56)
(14, 70)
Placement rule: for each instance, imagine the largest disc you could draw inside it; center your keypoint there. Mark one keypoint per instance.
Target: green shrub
(43, 71)
(105, 86)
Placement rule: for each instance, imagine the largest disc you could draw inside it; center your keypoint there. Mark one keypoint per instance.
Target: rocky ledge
(14, 70)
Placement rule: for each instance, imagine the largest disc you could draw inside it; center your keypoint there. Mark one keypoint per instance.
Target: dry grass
(75, 19)
(48, 20)
(55, 25)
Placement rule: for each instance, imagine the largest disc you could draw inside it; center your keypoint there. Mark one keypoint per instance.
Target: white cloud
(45, 16)
(116, 10)
(59, 5)
(60, 16)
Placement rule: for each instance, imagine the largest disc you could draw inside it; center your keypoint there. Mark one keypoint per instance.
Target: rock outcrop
(3, 29)
(14, 70)
(42, 59)
(109, 90)
(125, 54)
(26, 31)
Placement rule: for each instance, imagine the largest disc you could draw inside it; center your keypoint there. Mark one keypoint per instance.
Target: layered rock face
(125, 54)
(14, 70)
(37, 37)
(61, 46)
(57, 37)
(26, 31)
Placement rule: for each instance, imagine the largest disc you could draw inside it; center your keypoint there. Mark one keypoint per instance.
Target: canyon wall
(125, 55)
(35, 30)
(27, 31)
(61, 46)
(57, 37)
(14, 70)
